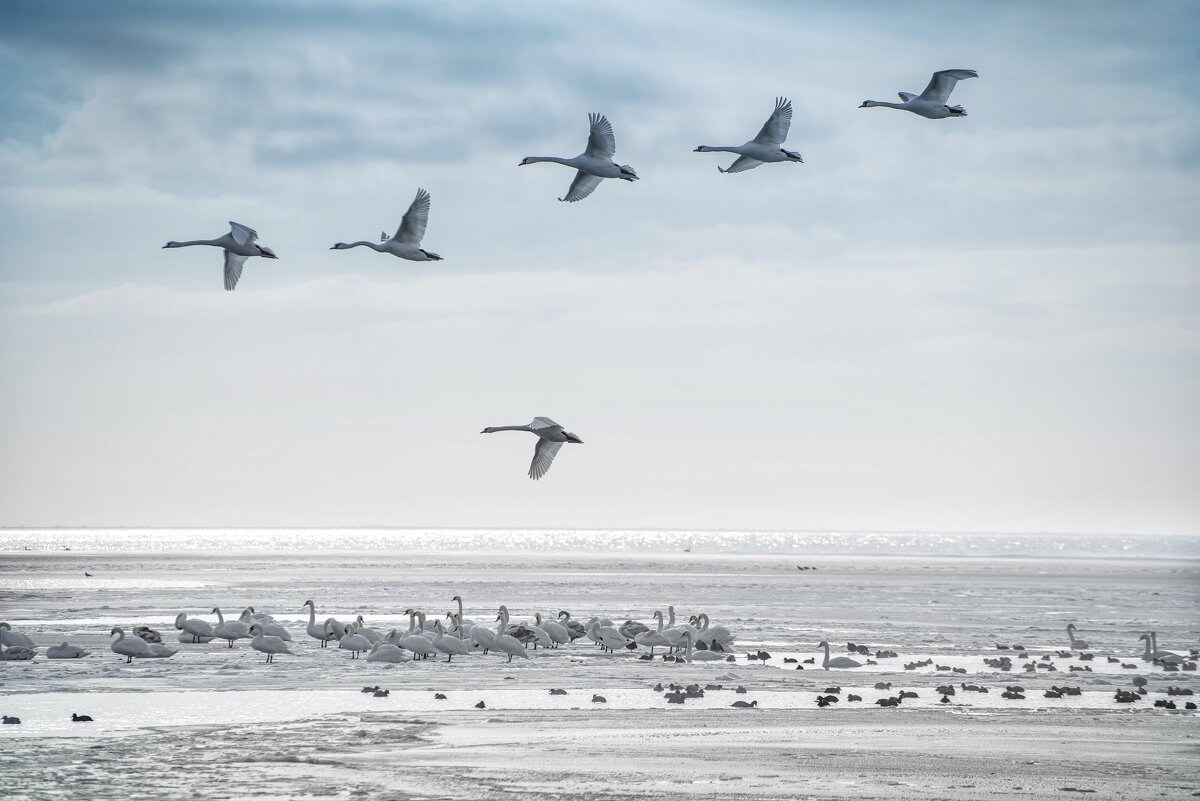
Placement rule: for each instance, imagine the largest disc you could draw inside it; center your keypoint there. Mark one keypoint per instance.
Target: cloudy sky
(988, 323)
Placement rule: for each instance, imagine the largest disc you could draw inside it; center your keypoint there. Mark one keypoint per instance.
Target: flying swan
(239, 244)
(766, 147)
(406, 242)
(593, 164)
(932, 102)
(551, 437)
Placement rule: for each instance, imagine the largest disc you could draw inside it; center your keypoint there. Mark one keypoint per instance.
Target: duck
(406, 242)
(65, 651)
(551, 437)
(594, 164)
(239, 244)
(129, 647)
(931, 103)
(765, 148)
(268, 644)
(77, 718)
(837, 661)
(10, 720)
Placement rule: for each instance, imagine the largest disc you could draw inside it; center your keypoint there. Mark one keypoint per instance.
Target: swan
(699, 656)
(239, 244)
(1169, 657)
(461, 621)
(1078, 645)
(556, 632)
(483, 637)
(718, 634)
(406, 242)
(374, 635)
(607, 636)
(386, 652)
(65, 651)
(448, 645)
(321, 632)
(506, 642)
(654, 639)
(932, 102)
(837, 661)
(543, 639)
(194, 627)
(574, 628)
(160, 651)
(229, 629)
(268, 644)
(766, 147)
(551, 437)
(594, 164)
(10, 637)
(354, 643)
(417, 643)
(17, 653)
(129, 647)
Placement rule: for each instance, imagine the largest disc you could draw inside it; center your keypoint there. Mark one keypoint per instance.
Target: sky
(978, 324)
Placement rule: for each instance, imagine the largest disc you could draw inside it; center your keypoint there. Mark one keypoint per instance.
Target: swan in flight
(268, 644)
(406, 242)
(766, 147)
(129, 647)
(239, 244)
(551, 437)
(837, 661)
(594, 164)
(1076, 644)
(65, 651)
(932, 102)
(10, 638)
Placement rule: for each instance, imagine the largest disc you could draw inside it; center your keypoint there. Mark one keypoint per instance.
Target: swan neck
(719, 149)
(191, 242)
(550, 159)
(490, 429)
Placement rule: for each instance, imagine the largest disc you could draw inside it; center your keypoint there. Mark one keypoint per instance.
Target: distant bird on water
(551, 437)
(932, 102)
(239, 244)
(766, 147)
(594, 164)
(406, 242)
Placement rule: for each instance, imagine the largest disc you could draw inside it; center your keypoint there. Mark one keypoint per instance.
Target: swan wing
(742, 164)
(543, 457)
(583, 185)
(233, 269)
(542, 423)
(601, 142)
(775, 129)
(412, 227)
(242, 234)
(942, 84)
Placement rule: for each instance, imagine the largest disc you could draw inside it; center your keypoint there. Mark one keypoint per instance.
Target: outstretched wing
(543, 457)
(233, 269)
(775, 129)
(742, 164)
(601, 142)
(583, 185)
(412, 227)
(242, 234)
(942, 84)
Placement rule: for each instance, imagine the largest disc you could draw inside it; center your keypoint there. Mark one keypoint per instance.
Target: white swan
(556, 632)
(932, 102)
(17, 653)
(229, 629)
(415, 641)
(65, 651)
(239, 244)
(194, 627)
(700, 656)
(607, 636)
(320, 632)
(160, 651)
(386, 652)
(1167, 657)
(594, 164)
(267, 643)
(129, 647)
(551, 437)
(654, 639)
(374, 635)
(506, 642)
(1078, 645)
(354, 643)
(406, 242)
(461, 621)
(837, 661)
(10, 637)
(718, 634)
(764, 148)
(483, 637)
(448, 645)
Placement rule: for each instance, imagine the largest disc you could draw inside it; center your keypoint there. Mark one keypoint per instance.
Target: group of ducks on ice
(591, 167)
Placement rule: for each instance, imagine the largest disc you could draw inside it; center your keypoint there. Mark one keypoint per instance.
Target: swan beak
(699, 149)
(864, 104)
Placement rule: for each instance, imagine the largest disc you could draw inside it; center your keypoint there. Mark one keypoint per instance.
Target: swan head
(870, 104)
(171, 244)
(117, 630)
(308, 603)
(266, 253)
(792, 155)
(524, 161)
(627, 173)
(701, 149)
(457, 598)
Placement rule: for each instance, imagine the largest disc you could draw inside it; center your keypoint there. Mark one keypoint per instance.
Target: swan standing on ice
(320, 632)
(406, 242)
(447, 644)
(10, 638)
(239, 244)
(766, 147)
(506, 642)
(1078, 645)
(654, 639)
(354, 643)
(551, 437)
(199, 630)
(268, 644)
(65, 651)
(594, 164)
(229, 629)
(837, 661)
(129, 647)
(932, 102)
